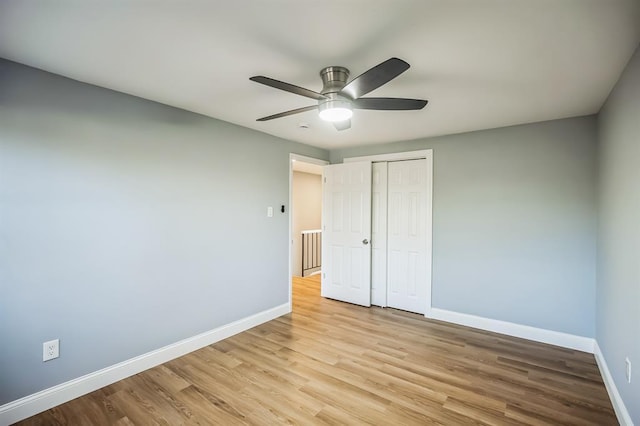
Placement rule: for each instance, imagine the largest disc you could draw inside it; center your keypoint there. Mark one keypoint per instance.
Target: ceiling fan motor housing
(333, 79)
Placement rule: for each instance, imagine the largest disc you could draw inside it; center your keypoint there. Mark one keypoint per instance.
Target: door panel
(407, 237)
(379, 234)
(347, 224)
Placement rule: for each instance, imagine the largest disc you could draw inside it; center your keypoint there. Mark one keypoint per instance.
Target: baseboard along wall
(40, 401)
(565, 340)
(48, 398)
(616, 400)
(569, 341)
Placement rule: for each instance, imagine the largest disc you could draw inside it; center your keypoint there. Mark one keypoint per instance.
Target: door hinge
(325, 180)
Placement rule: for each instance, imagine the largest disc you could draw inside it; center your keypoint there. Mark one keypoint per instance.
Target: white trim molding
(616, 400)
(393, 156)
(565, 340)
(33, 404)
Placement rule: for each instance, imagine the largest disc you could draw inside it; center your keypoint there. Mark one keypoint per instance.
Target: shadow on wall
(65, 98)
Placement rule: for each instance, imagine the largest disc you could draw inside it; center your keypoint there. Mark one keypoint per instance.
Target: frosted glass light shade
(336, 114)
(335, 110)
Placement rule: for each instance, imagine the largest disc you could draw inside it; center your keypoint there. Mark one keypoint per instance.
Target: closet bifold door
(379, 234)
(407, 267)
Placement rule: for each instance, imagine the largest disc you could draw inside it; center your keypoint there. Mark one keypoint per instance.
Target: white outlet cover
(50, 350)
(628, 369)
(269, 211)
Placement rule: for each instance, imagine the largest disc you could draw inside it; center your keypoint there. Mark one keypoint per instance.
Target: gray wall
(618, 307)
(124, 223)
(124, 226)
(514, 222)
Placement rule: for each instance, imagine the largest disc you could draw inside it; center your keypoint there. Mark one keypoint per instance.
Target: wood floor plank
(334, 363)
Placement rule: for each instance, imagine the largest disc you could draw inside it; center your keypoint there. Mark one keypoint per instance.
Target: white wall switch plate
(50, 350)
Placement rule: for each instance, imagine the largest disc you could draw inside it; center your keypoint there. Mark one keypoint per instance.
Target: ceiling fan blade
(374, 78)
(342, 125)
(288, 87)
(286, 113)
(389, 104)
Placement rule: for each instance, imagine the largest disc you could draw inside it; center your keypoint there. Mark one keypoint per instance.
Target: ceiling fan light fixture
(335, 110)
(338, 98)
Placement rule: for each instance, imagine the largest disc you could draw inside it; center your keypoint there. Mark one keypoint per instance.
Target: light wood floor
(334, 363)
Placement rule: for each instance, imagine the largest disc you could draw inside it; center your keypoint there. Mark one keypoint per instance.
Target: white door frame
(414, 155)
(304, 159)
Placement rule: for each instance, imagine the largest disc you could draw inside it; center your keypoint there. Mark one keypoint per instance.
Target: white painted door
(346, 215)
(379, 234)
(407, 275)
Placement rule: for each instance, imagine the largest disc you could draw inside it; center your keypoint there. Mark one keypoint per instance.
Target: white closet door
(379, 234)
(346, 215)
(407, 278)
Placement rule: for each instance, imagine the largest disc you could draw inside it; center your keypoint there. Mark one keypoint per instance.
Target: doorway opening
(305, 220)
(394, 271)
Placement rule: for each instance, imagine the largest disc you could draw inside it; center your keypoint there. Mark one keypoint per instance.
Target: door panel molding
(428, 208)
(408, 239)
(346, 216)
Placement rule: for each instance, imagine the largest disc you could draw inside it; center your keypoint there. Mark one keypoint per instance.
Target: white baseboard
(565, 340)
(33, 404)
(616, 400)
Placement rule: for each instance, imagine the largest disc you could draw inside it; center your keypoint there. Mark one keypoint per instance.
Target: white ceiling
(481, 64)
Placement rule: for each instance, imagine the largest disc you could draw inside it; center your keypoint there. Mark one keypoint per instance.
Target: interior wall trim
(616, 400)
(565, 340)
(40, 401)
(393, 156)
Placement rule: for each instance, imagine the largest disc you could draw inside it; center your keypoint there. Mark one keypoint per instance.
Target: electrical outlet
(628, 369)
(50, 350)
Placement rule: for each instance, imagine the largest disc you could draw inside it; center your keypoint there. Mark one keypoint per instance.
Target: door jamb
(304, 159)
(414, 155)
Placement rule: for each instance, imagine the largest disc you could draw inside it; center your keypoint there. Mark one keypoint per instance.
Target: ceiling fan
(338, 98)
